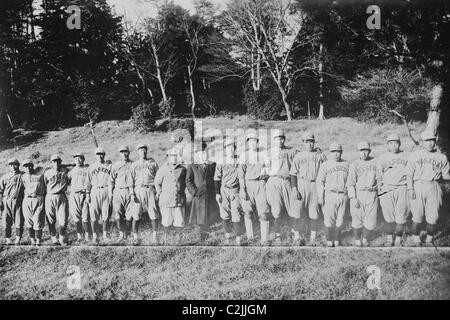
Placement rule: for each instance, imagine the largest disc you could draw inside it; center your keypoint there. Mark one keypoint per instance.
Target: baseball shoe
(429, 244)
(62, 243)
(365, 243)
(313, 243)
(337, 243)
(8, 242)
(78, 242)
(357, 243)
(17, 241)
(298, 243)
(226, 241)
(329, 244)
(136, 242)
(398, 242)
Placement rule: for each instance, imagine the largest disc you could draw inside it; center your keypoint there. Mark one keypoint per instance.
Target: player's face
(100, 157)
(14, 167)
(55, 164)
(336, 155)
(309, 144)
(29, 169)
(253, 144)
(278, 142)
(394, 146)
(142, 153)
(430, 144)
(125, 155)
(364, 154)
(229, 151)
(79, 161)
(172, 158)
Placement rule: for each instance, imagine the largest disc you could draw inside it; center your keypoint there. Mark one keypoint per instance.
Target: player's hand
(297, 195)
(134, 198)
(355, 203)
(218, 198)
(243, 194)
(320, 201)
(412, 194)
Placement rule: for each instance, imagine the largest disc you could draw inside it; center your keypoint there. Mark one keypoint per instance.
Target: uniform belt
(101, 187)
(123, 188)
(33, 197)
(147, 186)
(308, 180)
(337, 191)
(230, 187)
(425, 181)
(281, 177)
(81, 191)
(368, 189)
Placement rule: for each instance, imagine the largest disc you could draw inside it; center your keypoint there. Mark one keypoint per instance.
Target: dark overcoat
(200, 184)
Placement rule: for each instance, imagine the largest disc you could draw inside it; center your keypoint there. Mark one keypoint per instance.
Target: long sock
(31, 233)
(19, 232)
(264, 230)
(237, 228)
(431, 229)
(314, 225)
(337, 234)
(94, 227)
(297, 224)
(86, 227)
(129, 225)
(227, 226)
(154, 225)
(105, 226)
(416, 228)
(79, 227)
(135, 226)
(249, 227)
(366, 234)
(399, 229)
(276, 225)
(357, 232)
(390, 228)
(8, 232)
(62, 231)
(39, 234)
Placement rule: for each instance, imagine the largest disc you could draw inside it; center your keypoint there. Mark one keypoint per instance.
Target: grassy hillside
(223, 273)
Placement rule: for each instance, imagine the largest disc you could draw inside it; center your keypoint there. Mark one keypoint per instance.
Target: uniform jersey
(11, 185)
(392, 168)
(251, 166)
(79, 178)
(363, 175)
(306, 164)
(144, 172)
(56, 181)
(34, 184)
(227, 174)
(426, 166)
(332, 176)
(122, 175)
(100, 174)
(279, 161)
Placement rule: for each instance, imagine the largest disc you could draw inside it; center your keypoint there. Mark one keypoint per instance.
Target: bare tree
(273, 29)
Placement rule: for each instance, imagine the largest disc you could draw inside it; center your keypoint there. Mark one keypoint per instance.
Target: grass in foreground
(222, 273)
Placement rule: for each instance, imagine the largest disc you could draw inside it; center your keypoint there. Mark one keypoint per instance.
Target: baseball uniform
(170, 184)
(305, 166)
(253, 179)
(33, 201)
(424, 170)
(227, 175)
(56, 204)
(331, 185)
(79, 187)
(278, 187)
(122, 182)
(99, 180)
(11, 193)
(144, 171)
(393, 193)
(362, 185)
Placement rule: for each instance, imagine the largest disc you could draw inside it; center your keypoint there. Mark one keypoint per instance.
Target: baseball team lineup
(258, 185)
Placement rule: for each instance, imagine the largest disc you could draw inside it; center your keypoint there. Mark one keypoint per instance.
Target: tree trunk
(321, 115)
(435, 112)
(321, 111)
(158, 72)
(287, 107)
(191, 90)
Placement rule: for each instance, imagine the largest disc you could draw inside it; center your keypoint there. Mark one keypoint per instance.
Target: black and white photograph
(224, 155)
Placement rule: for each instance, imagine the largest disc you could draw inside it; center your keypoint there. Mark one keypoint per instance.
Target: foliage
(373, 94)
(166, 107)
(143, 118)
(262, 105)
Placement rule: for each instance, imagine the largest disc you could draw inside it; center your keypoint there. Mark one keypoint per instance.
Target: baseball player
(56, 205)
(252, 187)
(99, 180)
(227, 192)
(144, 171)
(183, 145)
(332, 193)
(170, 184)
(33, 202)
(278, 187)
(304, 169)
(80, 197)
(362, 191)
(392, 190)
(123, 195)
(425, 168)
(11, 194)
